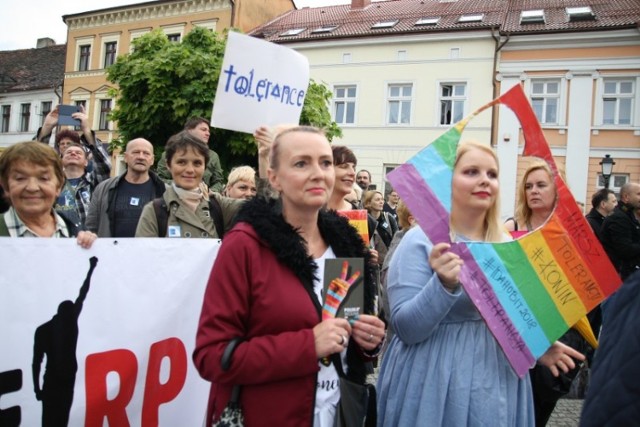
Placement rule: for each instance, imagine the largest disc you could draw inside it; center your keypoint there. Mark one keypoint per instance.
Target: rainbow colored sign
(530, 290)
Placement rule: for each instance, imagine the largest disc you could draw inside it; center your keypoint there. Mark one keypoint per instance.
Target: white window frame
(174, 29)
(545, 96)
(345, 100)
(452, 98)
(83, 41)
(401, 99)
(136, 34)
(103, 50)
(612, 181)
(3, 122)
(25, 117)
(388, 167)
(43, 113)
(210, 24)
(635, 101)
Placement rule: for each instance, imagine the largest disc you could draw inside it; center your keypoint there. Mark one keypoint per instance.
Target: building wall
(581, 63)
(424, 62)
(252, 13)
(15, 100)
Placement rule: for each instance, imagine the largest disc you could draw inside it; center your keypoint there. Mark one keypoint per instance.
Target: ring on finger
(343, 340)
(370, 338)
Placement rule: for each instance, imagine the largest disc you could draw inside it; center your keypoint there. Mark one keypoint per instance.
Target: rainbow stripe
(531, 290)
(358, 220)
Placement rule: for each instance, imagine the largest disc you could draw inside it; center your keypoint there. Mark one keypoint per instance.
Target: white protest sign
(260, 83)
(110, 345)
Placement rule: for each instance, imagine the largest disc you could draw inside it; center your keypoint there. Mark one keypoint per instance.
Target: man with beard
(117, 203)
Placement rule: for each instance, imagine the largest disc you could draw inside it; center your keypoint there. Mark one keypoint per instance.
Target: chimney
(360, 4)
(45, 42)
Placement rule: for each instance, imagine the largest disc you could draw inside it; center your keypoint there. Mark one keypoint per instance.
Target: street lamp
(607, 167)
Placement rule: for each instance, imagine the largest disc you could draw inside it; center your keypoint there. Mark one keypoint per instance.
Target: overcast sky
(25, 21)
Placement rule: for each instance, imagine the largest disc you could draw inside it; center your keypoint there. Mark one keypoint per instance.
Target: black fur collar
(265, 216)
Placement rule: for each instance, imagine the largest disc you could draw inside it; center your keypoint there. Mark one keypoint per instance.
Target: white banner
(110, 345)
(261, 83)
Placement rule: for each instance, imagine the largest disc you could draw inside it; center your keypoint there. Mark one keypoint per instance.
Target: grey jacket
(100, 218)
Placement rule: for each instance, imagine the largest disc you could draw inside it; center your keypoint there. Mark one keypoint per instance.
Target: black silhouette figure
(58, 339)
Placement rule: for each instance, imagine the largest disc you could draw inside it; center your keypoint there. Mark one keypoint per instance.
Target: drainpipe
(499, 45)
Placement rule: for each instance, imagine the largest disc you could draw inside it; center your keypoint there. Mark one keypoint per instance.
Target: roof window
(471, 18)
(292, 32)
(427, 21)
(384, 24)
(532, 16)
(582, 13)
(324, 29)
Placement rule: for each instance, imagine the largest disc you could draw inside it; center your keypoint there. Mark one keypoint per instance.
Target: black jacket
(620, 234)
(595, 220)
(613, 398)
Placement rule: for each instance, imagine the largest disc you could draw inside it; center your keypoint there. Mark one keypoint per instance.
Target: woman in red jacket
(265, 287)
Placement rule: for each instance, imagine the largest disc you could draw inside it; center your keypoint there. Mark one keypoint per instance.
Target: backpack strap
(216, 215)
(162, 216)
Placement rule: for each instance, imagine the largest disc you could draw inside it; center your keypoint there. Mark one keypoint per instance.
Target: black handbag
(231, 415)
(357, 406)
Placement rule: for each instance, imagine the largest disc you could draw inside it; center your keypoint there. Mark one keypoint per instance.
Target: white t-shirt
(328, 386)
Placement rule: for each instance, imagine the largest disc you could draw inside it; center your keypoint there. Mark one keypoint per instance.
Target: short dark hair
(342, 155)
(183, 140)
(67, 133)
(193, 122)
(600, 196)
(367, 172)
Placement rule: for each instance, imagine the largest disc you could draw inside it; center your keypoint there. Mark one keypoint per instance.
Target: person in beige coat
(187, 210)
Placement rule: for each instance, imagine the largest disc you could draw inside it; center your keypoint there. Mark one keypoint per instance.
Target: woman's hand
(331, 336)
(559, 357)
(368, 331)
(86, 239)
(446, 264)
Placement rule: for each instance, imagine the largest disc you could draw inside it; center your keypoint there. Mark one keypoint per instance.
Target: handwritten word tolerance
(261, 89)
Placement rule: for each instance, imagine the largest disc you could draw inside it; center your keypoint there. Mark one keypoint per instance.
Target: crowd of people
(441, 365)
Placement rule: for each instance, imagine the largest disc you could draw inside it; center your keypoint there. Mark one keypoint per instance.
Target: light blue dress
(443, 367)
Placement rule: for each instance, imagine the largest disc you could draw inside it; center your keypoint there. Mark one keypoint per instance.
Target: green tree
(161, 84)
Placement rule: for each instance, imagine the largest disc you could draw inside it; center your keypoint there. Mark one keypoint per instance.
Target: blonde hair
(241, 173)
(274, 153)
(492, 227)
(368, 197)
(403, 215)
(523, 211)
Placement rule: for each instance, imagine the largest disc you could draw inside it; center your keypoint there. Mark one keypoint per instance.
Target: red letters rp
(125, 364)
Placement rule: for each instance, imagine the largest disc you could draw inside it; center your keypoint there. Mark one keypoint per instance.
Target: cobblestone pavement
(566, 414)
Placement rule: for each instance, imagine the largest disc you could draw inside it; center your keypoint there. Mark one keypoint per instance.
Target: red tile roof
(32, 69)
(500, 14)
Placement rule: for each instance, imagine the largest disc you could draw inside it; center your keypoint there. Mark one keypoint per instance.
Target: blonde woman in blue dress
(444, 367)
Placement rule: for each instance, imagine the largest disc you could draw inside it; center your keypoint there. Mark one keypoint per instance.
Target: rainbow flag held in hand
(358, 220)
(530, 290)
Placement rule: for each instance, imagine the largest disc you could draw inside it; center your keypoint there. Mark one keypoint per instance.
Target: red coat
(266, 296)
